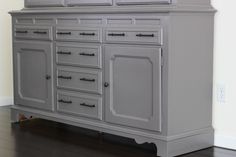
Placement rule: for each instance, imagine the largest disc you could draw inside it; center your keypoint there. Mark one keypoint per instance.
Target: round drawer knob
(106, 84)
(48, 77)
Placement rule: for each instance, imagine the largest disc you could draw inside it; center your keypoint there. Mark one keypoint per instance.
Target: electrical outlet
(221, 95)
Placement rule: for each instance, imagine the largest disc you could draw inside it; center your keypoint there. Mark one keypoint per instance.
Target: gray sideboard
(137, 69)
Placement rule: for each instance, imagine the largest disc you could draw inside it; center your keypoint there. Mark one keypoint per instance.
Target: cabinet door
(133, 97)
(33, 74)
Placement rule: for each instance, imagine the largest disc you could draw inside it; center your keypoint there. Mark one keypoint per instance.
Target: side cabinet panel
(33, 74)
(134, 95)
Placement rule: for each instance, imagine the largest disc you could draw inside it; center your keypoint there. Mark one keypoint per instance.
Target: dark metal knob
(145, 35)
(64, 33)
(48, 77)
(87, 54)
(87, 34)
(117, 34)
(65, 77)
(64, 53)
(88, 80)
(40, 32)
(65, 101)
(106, 84)
(87, 105)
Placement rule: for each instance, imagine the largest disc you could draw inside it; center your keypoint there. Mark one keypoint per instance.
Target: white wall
(225, 73)
(5, 49)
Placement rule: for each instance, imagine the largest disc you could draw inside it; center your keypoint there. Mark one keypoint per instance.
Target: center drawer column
(79, 71)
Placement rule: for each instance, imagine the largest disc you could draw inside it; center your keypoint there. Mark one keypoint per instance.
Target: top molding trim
(114, 10)
(124, 6)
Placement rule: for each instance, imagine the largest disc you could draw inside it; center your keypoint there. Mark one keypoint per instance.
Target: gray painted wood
(142, 2)
(190, 72)
(134, 95)
(88, 2)
(60, 3)
(190, 8)
(78, 34)
(161, 97)
(79, 104)
(79, 79)
(83, 55)
(33, 32)
(32, 66)
(44, 3)
(134, 35)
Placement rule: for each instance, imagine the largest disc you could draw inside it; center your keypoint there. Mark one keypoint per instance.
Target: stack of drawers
(80, 68)
(79, 72)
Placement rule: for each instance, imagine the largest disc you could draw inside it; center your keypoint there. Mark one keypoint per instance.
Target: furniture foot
(162, 149)
(161, 146)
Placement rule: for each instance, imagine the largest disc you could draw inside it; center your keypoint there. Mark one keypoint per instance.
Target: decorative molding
(5, 101)
(225, 141)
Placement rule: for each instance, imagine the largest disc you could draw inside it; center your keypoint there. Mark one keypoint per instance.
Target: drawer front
(36, 33)
(83, 35)
(79, 104)
(88, 2)
(142, 2)
(79, 55)
(149, 36)
(80, 79)
(44, 3)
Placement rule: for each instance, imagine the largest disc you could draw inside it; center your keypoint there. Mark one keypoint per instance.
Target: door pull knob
(48, 77)
(106, 84)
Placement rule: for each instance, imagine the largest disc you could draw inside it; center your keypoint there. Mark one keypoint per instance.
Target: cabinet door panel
(44, 3)
(32, 74)
(133, 97)
(142, 2)
(88, 2)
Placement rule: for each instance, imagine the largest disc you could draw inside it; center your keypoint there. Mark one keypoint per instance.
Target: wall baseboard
(225, 141)
(5, 101)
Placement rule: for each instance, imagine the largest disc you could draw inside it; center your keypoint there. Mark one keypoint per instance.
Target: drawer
(142, 2)
(86, 80)
(79, 55)
(44, 3)
(88, 2)
(81, 34)
(79, 104)
(36, 33)
(135, 36)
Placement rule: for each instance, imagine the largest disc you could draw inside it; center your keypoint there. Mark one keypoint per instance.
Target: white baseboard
(5, 101)
(225, 141)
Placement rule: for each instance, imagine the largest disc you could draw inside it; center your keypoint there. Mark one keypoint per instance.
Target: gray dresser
(141, 69)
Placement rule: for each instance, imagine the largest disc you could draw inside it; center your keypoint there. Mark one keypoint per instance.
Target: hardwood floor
(41, 138)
